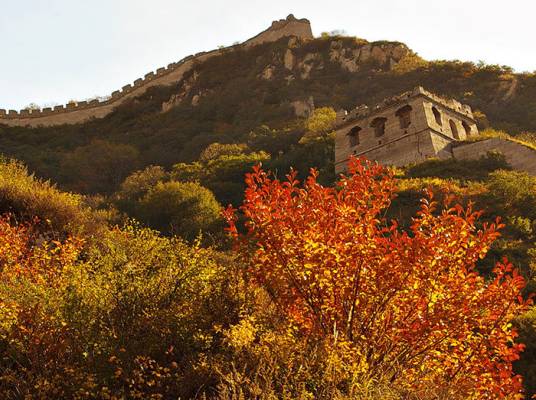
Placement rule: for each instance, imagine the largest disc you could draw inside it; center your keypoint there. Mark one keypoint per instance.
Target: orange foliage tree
(410, 304)
(36, 344)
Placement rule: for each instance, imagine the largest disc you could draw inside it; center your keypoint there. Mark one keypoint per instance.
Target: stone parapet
(362, 111)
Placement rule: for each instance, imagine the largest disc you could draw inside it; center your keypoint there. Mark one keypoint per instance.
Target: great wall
(436, 126)
(78, 112)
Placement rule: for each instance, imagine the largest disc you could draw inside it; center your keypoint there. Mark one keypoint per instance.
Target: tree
(410, 304)
(514, 190)
(322, 120)
(223, 175)
(216, 150)
(100, 166)
(136, 185)
(180, 208)
(27, 197)
(273, 141)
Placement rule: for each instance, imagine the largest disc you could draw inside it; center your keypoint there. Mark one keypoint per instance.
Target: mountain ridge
(79, 112)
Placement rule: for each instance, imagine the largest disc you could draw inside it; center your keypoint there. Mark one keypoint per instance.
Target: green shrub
(513, 191)
(185, 209)
(27, 197)
(136, 185)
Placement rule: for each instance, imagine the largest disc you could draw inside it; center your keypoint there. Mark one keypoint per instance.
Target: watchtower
(404, 129)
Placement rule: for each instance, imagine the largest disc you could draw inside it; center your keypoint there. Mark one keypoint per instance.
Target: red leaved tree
(411, 304)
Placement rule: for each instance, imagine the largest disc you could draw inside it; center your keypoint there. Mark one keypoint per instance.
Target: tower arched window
(404, 116)
(466, 128)
(379, 126)
(353, 136)
(437, 116)
(454, 129)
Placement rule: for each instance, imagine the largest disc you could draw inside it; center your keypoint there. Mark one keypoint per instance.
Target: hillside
(170, 155)
(225, 98)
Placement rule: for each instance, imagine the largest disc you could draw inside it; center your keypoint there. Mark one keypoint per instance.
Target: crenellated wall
(74, 113)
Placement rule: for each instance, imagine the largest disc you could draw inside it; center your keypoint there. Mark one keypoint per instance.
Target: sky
(54, 51)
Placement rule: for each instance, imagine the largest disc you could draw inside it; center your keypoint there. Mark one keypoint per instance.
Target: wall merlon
(3, 113)
(25, 113)
(69, 106)
(48, 110)
(13, 113)
(149, 76)
(116, 94)
(160, 71)
(95, 102)
(126, 88)
(138, 82)
(59, 108)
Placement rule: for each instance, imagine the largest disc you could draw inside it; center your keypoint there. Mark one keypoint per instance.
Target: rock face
(384, 54)
(268, 73)
(185, 88)
(310, 61)
(289, 60)
(292, 62)
(303, 108)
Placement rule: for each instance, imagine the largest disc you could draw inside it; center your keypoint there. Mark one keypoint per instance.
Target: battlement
(362, 111)
(77, 112)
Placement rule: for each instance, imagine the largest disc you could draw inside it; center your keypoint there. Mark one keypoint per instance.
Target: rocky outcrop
(508, 88)
(268, 73)
(288, 60)
(308, 63)
(384, 54)
(185, 87)
(303, 108)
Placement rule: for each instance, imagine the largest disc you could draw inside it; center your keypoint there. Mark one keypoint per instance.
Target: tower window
(466, 128)
(353, 136)
(437, 116)
(454, 129)
(404, 116)
(379, 126)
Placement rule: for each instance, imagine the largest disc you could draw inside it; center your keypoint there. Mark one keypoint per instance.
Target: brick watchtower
(403, 129)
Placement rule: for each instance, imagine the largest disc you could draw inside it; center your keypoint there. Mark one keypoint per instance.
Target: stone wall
(82, 111)
(520, 157)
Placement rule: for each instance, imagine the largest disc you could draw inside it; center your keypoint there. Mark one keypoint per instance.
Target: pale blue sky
(56, 50)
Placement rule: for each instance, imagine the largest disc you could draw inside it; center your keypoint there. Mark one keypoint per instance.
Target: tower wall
(427, 134)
